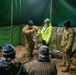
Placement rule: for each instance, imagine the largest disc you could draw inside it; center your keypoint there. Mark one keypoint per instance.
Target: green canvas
(14, 13)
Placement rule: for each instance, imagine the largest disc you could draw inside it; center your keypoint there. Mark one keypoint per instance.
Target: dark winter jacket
(8, 68)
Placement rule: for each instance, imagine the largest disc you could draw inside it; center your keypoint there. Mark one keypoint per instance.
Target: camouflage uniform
(66, 43)
(29, 39)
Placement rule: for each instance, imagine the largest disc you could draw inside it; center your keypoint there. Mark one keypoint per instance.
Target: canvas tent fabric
(62, 10)
(6, 36)
(14, 13)
(37, 10)
(23, 10)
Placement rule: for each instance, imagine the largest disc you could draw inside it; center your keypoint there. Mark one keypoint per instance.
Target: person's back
(42, 68)
(9, 65)
(43, 65)
(8, 68)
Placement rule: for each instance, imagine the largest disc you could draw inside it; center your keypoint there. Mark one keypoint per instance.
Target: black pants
(44, 43)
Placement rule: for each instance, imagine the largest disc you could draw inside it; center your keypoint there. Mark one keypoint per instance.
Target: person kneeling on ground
(43, 65)
(9, 65)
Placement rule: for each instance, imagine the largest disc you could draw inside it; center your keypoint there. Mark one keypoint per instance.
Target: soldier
(43, 65)
(46, 32)
(66, 45)
(30, 32)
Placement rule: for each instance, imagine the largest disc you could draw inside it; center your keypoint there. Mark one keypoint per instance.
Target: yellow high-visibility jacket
(46, 33)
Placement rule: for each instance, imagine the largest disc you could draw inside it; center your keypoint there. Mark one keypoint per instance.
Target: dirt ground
(20, 50)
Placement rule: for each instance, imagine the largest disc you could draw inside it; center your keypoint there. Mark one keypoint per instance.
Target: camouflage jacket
(28, 35)
(67, 38)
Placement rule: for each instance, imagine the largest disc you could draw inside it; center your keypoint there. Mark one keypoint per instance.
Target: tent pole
(11, 21)
(51, 10)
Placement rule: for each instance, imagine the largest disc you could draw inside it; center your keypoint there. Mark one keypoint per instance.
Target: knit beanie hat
(30, 23)
(8, 51)
(46, 20)
(44, 51)
(67, 23)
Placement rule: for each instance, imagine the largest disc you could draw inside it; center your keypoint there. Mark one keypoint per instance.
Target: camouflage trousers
(66, 58)
(29, 48)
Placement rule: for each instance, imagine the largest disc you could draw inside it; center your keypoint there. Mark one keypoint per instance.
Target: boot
(62, 64)
(65, 69)
(72, 67)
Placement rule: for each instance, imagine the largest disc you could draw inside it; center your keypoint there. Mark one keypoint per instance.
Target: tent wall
(23, 10)
(6, 37)
(37, 10)
(62, 10)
